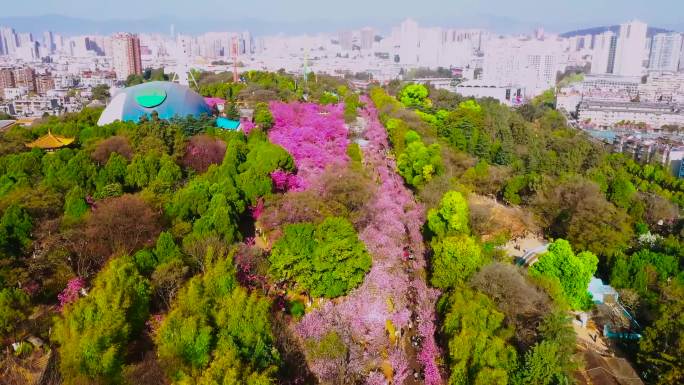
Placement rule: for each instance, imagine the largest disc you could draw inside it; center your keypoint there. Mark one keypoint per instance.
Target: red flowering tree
(203, 151)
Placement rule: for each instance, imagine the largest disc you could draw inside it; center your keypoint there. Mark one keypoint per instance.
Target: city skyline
(273, 17)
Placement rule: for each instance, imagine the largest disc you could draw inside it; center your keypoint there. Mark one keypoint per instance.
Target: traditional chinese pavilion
(50, 142)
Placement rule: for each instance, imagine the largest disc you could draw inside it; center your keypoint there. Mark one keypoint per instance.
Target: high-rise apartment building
(44, 83)
(25, 77)
(367, 38)
(530, 64)
(6, 78)
(346, 40)
(9, 41)
(603, 61)
(631, 49)
(666, 50)
(49, 42)
(126, 55)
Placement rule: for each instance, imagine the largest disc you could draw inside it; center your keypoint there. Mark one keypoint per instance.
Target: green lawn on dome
(150, 98)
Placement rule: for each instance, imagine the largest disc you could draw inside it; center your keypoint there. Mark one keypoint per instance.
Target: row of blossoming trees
(500, 325)
(359, 335)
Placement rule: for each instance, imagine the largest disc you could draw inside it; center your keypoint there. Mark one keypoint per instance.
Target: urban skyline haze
(310, 16)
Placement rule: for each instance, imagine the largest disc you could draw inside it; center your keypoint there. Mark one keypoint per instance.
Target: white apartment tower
(409, 40)
(603, 60)
(126, 55)
(367, 38)
(666, 49)
(9, 41)
(631, 48)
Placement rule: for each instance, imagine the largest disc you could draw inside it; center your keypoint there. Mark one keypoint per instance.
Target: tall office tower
(346, 40)
(126, 55)
(409, 41)
(25, 38)
(631, 48)
(603, 61)
(25, 77)
(10, 41)
(666, 49)
(367, 38)
(49, 42)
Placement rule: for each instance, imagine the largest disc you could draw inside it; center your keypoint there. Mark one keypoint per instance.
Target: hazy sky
(561, 13)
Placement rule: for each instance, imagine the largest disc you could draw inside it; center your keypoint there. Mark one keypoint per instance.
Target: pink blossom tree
(315, 135)
(71, 292)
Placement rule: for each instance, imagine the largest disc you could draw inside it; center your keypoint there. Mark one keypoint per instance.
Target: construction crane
(234, 48)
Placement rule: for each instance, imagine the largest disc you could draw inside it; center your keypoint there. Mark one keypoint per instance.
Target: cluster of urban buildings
(510, 68)
(658, 150)
(636, 82)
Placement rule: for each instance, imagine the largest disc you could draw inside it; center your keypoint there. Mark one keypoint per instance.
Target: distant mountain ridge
(614, 28)
(72, 26)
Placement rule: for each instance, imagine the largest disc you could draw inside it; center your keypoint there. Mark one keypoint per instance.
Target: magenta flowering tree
(71, 292)
(246, 126)
(285, 181)
(257, 210)
(315, 135)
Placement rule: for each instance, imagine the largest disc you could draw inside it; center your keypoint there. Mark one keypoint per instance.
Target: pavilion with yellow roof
(50, 142)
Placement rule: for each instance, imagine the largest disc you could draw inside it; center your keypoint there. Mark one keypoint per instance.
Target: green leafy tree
(75, 205)
(327, 260)
(622, 192)
(644, 270)
(263, 117)
(134, 80)
(451, 217)
(661, 350)
(419, 163)
(166, 250)
(232, 112)
(455, 260)
(479, 352)
(351, 104)
(13, 309)
(101, 92)
(573, 272)
(414, 95)
(553, 359)
(15, 230)
(216, 332)
(94, 331)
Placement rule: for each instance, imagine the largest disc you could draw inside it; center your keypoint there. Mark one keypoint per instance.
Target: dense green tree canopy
(414, 95)
(94, 331)
(573, 271)
(327, 260)
(479, 352)
(218, 333)
(419, 163)
(451, 217)
(455, 259)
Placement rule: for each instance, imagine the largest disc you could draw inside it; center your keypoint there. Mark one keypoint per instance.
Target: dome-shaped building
(166, 98)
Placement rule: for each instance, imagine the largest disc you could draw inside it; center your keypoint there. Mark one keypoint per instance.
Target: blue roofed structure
(602, 293)
(166, 98)
(227, 124)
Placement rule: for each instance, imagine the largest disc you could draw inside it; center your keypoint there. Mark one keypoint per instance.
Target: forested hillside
(353, 238)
